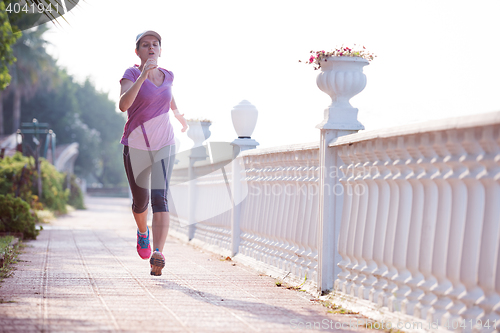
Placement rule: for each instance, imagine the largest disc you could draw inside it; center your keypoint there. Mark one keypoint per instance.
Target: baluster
(441, 241)
(245, 204)
(303, 216)
(361, 191)
(458, 216)
(382, 219)
(280, 215)
(391, 227)
(403, 224)
(412, 259)
(490, 243)
(268, 204)
(473, 229)
(295, 218)
(371, 219)
(292, 217)
(283, 254)
(300, 218)
(275, 214)
(431, 197)
(259, 217)
(254, 217)
(312, 266)
(310, 231)
(292, 195)
(352, 224)
(304, 233)
(267, 221)
(246, 211)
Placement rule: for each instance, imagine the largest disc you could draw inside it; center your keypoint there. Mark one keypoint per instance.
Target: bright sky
(435, 59)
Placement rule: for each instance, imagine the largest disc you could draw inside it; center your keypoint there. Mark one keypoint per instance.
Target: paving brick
(83, 274)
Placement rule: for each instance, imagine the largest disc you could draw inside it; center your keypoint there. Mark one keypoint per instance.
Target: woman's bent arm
(173, 106)
(178, 115)
(129, 92)
(131, 89)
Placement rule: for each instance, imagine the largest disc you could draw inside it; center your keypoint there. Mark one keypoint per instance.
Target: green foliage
(15, 181)
(4, 243)
(79, 113)
(100, 114)
(8, 36)
(54, 197)
(16, 177)
(34, 68)
(15, 216)
(75, 198)
(10, 254)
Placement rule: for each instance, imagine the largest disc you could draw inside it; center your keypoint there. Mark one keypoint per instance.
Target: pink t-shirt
(148, 126)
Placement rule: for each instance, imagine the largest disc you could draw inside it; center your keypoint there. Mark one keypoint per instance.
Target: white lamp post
(244, 116)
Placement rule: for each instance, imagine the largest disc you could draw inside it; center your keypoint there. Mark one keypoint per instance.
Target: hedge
(19, 190)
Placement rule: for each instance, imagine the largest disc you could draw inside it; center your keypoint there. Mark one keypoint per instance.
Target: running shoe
(157, 262)
(143, 247)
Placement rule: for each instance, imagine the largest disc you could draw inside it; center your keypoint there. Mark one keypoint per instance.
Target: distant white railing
(201, 207)
(422, 235)
(278, 209)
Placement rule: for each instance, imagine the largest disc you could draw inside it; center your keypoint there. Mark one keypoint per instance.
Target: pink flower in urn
(343, 51)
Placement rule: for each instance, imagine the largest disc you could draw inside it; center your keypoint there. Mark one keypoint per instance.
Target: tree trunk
(1, 112)
(16, 114)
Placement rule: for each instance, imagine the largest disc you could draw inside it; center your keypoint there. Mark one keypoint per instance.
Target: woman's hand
(148, 67)
(180, 118)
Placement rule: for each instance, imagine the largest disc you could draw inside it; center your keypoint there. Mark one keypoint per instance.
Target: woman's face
(149, 48)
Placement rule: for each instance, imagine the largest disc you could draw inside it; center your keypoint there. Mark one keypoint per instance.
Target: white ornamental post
(341, 78)
(244, 116)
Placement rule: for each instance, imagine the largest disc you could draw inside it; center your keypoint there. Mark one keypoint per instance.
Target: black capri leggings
(149, 170)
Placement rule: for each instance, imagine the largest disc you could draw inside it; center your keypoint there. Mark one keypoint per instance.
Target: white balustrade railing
(404, 220)
(420, 229)
(279, 217)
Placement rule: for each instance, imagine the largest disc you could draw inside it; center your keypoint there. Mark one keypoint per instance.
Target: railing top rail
(476, 120)
(281, 149)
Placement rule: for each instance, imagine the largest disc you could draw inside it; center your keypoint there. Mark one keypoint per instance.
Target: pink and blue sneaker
(143, 247)
(157, 262)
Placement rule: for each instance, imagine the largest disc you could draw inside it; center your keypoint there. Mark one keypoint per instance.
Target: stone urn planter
(198, 131)
(341, 78)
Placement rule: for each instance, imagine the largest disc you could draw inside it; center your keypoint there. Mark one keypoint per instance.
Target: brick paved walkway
(83, 274)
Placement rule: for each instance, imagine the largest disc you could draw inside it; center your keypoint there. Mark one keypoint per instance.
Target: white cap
(148, 33)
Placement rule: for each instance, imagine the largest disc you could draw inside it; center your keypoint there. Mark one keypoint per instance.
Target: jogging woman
(149, 144)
